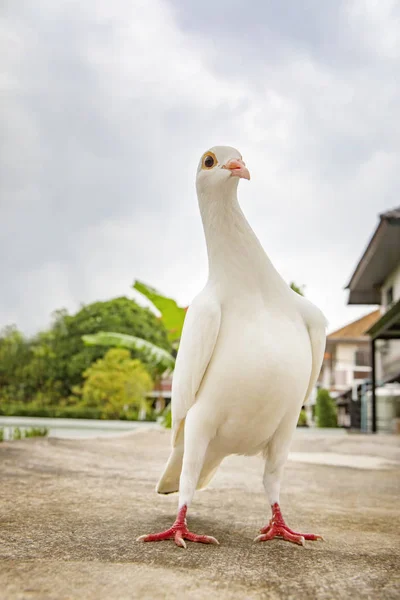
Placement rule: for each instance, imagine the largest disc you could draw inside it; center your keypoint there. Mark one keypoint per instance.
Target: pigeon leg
(196, 444)
(277, 527)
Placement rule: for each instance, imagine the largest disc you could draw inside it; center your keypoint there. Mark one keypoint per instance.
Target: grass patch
(66, 412)
(16, 433)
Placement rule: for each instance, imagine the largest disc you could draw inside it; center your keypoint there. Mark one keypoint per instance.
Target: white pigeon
(250, 354)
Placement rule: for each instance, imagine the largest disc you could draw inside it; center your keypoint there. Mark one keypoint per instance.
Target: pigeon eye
(209, 161)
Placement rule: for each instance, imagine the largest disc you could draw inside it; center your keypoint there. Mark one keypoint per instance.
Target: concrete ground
(70, 512)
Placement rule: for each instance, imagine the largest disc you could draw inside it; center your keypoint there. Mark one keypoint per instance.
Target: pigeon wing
(316, 324)
(199, 336)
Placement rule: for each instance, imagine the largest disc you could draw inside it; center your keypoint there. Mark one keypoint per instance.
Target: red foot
(178, 532)
(278, 528)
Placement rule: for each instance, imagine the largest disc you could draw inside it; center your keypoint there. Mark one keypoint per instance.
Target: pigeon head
(220, 167)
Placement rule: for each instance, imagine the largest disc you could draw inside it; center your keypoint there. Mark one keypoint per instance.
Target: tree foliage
(115, 383)
(120, 315)
(325, 409)
(45, 368)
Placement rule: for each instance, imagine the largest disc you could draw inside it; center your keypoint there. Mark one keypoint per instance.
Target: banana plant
(172, 315)
(157, 358)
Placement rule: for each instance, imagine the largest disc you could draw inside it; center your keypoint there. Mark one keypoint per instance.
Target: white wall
(345, 365)
(345, 354)
(345, 359)
(392, 281)
(325, 380)
(390, 357)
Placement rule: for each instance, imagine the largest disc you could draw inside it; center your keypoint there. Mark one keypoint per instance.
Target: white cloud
(111, 104)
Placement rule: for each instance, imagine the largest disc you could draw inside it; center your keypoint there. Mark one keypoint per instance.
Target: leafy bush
(17, 434)
(302, 422)
(36, 432)
(165, 419)
(325, 409)
(116, 383)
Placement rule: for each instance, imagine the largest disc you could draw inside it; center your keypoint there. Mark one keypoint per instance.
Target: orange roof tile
(356, 328)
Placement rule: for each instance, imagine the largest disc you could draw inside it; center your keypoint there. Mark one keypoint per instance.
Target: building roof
(392, 214)
(380, 258)
(387, 327)
(357, 329)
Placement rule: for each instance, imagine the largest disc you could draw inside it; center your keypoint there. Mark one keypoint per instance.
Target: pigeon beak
(237, 168)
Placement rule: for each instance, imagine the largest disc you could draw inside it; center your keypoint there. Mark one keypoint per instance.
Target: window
(389, 296)
(362, 358)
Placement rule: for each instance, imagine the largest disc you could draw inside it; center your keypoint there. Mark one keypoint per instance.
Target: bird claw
(179, 541)
(213, 540)
(179, 533)
(282, 534)
(179, 536)
(277, 528)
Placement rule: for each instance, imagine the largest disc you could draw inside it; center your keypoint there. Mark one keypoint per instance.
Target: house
(347, 360)
(376, 281)
(347, 355)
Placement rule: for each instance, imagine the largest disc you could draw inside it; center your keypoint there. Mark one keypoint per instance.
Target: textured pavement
(70, 511)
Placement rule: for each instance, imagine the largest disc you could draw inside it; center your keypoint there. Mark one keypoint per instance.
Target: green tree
(116, 383)
(15, 355)
(44, 370)
(121, 315)
(325, 409)
(299, 289)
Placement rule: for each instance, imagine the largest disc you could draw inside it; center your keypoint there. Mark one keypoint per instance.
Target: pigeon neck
(235, 255)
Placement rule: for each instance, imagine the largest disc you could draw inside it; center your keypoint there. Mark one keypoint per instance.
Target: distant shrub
(17, 434)
(325, 409)
(165, 419)
(116, 383)
(302, 422)
(36, 432)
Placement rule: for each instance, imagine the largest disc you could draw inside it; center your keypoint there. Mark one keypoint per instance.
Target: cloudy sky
(106, 108)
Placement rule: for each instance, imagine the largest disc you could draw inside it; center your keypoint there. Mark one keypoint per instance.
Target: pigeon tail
(169, 481)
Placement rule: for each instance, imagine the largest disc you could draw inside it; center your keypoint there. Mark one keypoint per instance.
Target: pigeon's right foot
(179, 533)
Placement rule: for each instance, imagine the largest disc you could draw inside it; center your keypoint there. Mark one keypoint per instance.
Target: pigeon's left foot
(277, 528)
(179, 533)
